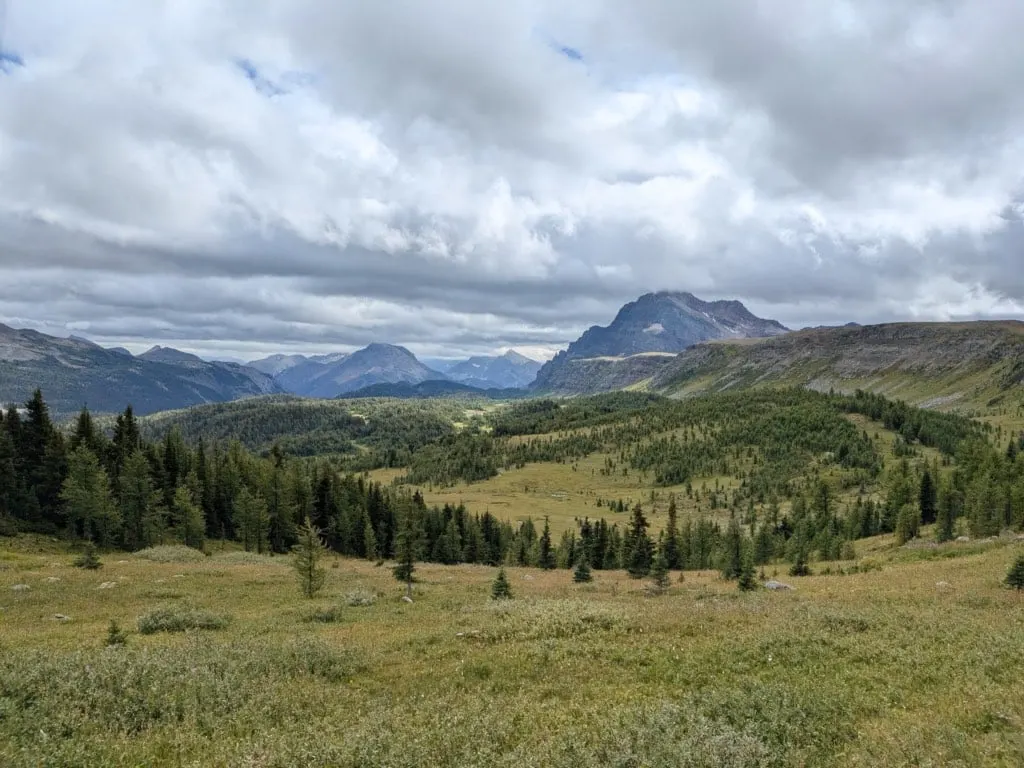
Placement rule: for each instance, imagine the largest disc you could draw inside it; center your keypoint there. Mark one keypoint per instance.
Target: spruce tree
(581, 574)
(732, 555)
(1015, 578)
(307, 554)
(545, 552)
(500, 588)
(927, 498)
(139, 503)
(369, 541)
(637, 546)
(89, 559)
(115, 635)
(672, 555)
(659, 573)
(747, 578)
(189, 523)
(407, 549)
(800, 566)
(946, 515)
(252, 520)
(908, 524)
(85, 494)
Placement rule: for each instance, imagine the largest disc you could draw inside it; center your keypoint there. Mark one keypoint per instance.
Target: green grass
(920, 662)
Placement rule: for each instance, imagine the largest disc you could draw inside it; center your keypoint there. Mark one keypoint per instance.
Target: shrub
(500, 588)
(329, 615)
(178, 619)
(116, 635)
(88, 559)
(360, 598)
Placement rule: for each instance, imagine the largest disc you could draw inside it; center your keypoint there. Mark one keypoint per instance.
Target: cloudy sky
(237, 177)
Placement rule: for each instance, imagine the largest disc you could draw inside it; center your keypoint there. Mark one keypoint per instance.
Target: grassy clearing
(918, 663)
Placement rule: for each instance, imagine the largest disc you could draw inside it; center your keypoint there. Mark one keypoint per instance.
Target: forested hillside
(767, 476)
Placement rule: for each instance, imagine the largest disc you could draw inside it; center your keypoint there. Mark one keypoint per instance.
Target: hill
(434, 388)
(929, 364)
(74, 372)
(658, 323)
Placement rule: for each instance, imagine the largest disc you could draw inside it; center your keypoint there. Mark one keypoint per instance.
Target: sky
(241, 177)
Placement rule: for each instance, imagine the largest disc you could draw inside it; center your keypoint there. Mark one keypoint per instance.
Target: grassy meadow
(916, 659)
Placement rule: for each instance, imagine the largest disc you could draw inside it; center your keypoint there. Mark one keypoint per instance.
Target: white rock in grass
(777, 585)
(21, 588)
(107, 585)
(61, 617)
(52, 579)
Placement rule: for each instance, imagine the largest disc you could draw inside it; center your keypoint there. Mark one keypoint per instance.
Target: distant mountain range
(385, 364)
(655, 324)
(74, 372)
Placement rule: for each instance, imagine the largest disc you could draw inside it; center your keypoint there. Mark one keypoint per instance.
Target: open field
(918, 663)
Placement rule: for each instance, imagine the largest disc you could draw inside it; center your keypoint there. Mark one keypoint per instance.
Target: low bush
(171, 554)
(178, 619)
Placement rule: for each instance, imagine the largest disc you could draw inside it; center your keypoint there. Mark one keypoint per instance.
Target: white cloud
(276, 174)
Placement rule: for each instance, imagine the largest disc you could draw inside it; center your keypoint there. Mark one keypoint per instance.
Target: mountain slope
(927, 364)
(655, 323)
(75, 372)
(507, 371)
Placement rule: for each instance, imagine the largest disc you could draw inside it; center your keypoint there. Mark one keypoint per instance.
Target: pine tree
(637, 546)
(545, 553)
(369, 541)
(407, 549)
(252, 520)
(659, 573)
(139, 503)
(747, 579)
(581, 574)
(946, 515)
(115, 635)
(927, 498)
(800, 566)
(307, 554)
(908, 524)
(672, 554)
(188, 520)
(85, 495)
(1015, 578)
(500, 588)
(89, 559)
(732, 555)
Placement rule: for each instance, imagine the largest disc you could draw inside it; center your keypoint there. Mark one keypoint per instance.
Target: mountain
(508, 371)
(657, 323)
(276, 364)
(76, 372)
(332, 375)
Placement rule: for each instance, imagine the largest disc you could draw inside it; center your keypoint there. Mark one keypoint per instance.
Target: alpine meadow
(464, 384)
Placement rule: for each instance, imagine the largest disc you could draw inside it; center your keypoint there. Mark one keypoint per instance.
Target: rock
(777, 585)
(942, 585)
(52, 579)
(61, 617)
(21, 588)
(107, 585)
(962, 539)
(527, 577)
(406, 599)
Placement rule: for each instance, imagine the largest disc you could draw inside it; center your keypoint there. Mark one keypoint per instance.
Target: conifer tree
(927, 498)
(187, 516)
(89, 558)
(800, 566)
(732, 555)
(252, 520)
(1015, 577)
(747, 579)
(637, 546)
(946, 514)
(407, 549)
(115, 635)
(908, 524)
(85, 495)
(659, 572)
(545, 552)
(581, 574)
(307, 554)
(500, 588)
(369, 540)
(139, 503)
(672, 558)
